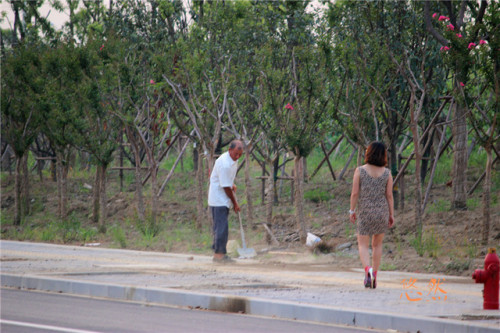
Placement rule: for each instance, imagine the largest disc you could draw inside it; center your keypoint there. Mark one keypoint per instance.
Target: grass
(187, 236)
(118, 236)
(317, 195)
(387, 267)
(430, 244)
(439, 206)
(67, 231)
(458, 265)
(473, 203)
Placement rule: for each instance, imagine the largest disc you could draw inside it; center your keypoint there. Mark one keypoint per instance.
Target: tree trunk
(103, 201)
(195, 158)
(263, 186)
(304, 161)
(139, 198)
(62, 201)
(274, 179)
(393, 163)
(299, 196)
(199, 193)
(426, 155)
(25, 186)
(248, 190)
(64, 193)
(53, 170)
(459, 159)
(121, 162)
(39, 165)
(359, 161)
(96, 195)
(486, 195)
(17, 195)
(182, 155)
(401, 185)
(84, 160)
(59, 184)
(270, 196)
(154, 196)
(418, 183)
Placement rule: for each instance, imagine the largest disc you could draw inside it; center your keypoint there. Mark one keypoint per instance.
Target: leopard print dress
(373, 209)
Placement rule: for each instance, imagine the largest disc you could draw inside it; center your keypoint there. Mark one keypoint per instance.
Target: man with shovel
(221, 197)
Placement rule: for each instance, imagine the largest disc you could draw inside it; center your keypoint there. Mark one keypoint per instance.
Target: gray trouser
(220, 228)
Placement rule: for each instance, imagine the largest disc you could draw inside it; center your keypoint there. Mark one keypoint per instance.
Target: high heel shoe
(369, 278)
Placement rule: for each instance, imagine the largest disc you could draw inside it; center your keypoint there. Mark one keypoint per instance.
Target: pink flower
(462, 84)
(102, 46)
(444, 48)
(289, 107)
(482, 42)
(443, 18)
(459, 35)
(152, 81)
(450, 26)
(472, 45)
(434, 15)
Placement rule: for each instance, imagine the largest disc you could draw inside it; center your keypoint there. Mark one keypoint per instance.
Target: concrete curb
(248, 305)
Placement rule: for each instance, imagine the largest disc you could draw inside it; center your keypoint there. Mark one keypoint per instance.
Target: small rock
(344, 246)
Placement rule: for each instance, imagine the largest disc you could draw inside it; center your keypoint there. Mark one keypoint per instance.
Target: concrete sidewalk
(313, 290)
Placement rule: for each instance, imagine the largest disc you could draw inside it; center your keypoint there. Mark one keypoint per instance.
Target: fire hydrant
(490, 277)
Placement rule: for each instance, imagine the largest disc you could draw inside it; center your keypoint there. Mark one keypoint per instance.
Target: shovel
(245, 252)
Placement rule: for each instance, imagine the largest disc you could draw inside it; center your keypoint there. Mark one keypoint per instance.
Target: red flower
(459, 35)
(434, 15)
(462, 84)
(152, 81)
(451, 27)
(289, 107)
(482, 42)
(102, 46)
(472, 45)
(444, 48)
(443, 18)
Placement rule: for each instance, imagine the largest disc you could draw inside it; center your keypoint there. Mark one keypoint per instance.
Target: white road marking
(44, 327)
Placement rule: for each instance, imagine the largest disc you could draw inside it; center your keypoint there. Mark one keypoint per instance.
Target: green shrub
(317, 195)
(439, 206)
(430, 244)
(118, 236)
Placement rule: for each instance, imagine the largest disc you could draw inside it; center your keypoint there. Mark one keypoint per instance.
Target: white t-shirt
(223, 175)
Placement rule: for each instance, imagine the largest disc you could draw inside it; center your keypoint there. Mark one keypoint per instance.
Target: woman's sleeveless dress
(373, 209)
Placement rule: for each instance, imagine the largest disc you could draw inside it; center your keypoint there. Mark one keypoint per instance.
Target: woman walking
(372, 185)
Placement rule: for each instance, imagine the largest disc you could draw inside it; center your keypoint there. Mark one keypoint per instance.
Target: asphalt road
(34, 312)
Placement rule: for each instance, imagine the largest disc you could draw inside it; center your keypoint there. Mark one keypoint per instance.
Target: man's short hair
(236, 144)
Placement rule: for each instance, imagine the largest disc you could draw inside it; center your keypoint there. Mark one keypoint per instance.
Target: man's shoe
(224, 260)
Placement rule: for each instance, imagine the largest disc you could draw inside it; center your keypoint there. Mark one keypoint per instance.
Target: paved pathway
(313, 283)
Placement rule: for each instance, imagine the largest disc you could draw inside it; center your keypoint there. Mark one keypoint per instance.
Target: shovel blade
(247, 253)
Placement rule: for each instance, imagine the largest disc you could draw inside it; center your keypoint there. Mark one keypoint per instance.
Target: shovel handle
(242, 232)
